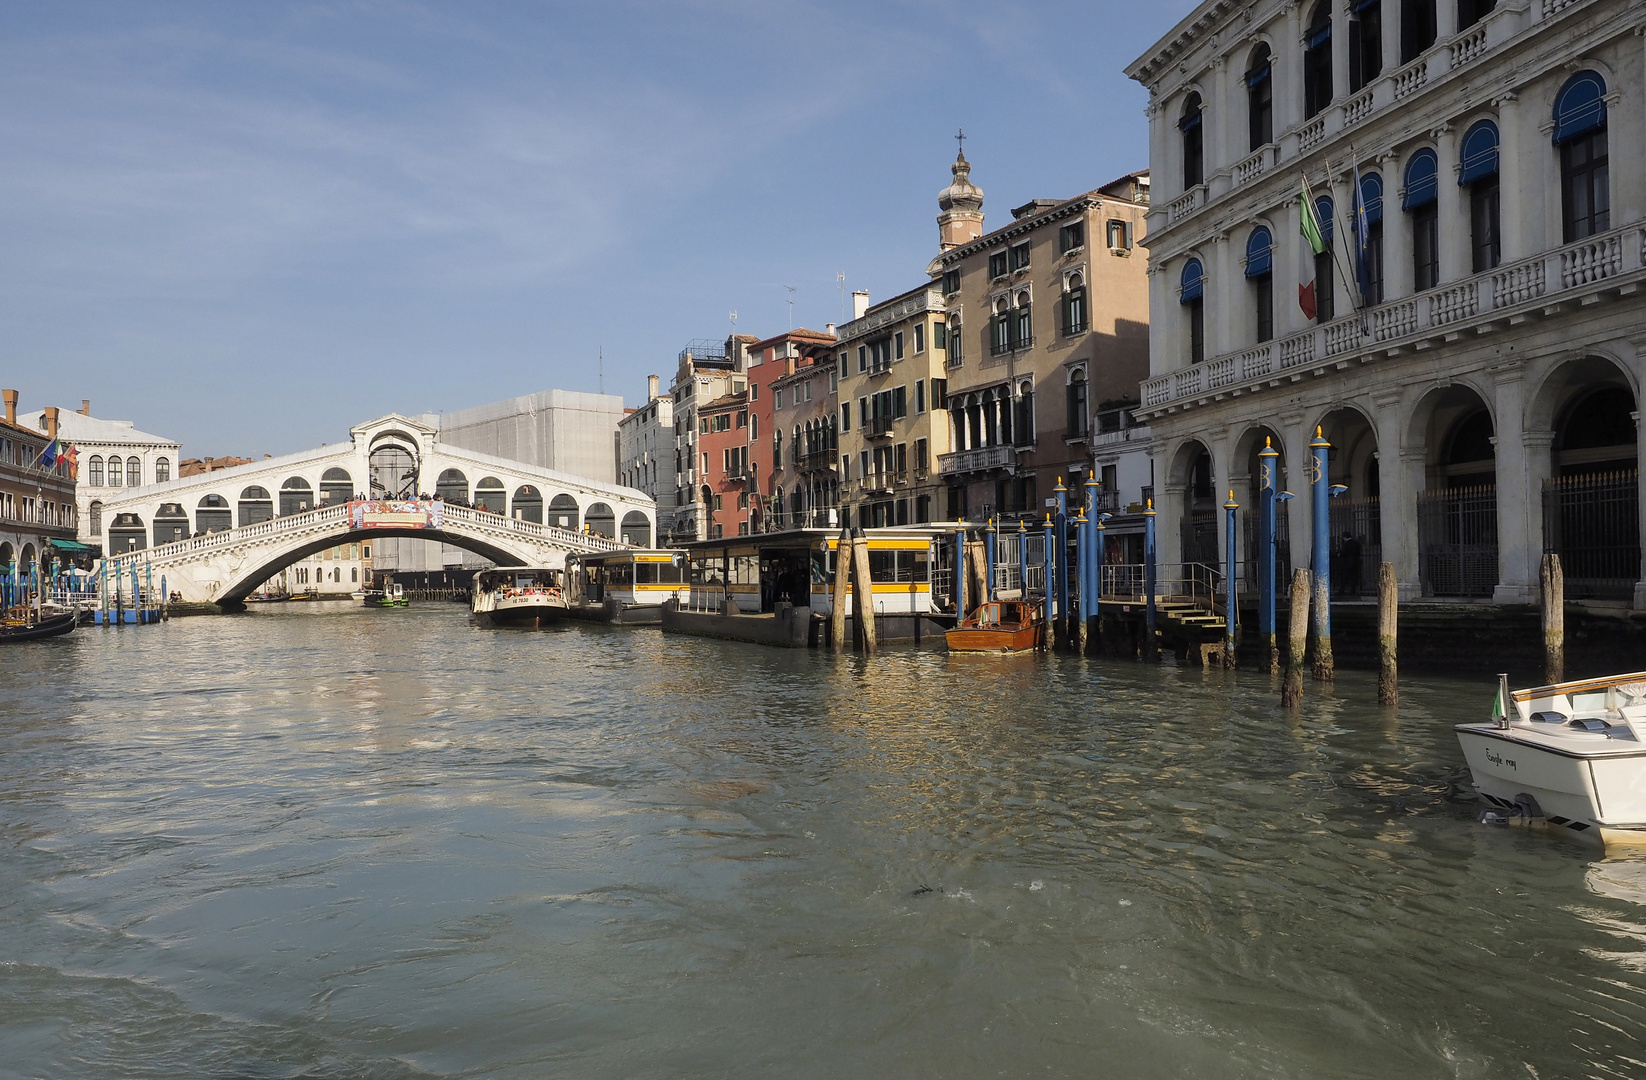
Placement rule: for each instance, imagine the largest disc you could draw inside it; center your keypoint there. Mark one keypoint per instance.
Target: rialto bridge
(217, 536)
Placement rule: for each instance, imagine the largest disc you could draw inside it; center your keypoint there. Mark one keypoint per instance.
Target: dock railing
(1193, 582)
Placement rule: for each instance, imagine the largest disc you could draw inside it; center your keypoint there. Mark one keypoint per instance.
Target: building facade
(707, 371)
(771, 362)
(37, 503)
(1455, 305)
(1047, 325)
(556, 429)
(805, 444)
(645, 452)
(113, 457)
(893, 429)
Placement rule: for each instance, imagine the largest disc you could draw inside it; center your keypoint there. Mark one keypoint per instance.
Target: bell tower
(961, 221)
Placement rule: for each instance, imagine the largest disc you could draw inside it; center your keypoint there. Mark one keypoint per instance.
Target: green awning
(72, 547)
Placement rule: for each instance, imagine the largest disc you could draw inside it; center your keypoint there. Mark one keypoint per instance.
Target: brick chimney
(85, 406)
(51, 421)
(11, 405)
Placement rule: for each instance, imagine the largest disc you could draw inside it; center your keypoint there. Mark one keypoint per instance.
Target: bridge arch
(171, 523)
(453, 487)
(296, 496)
(600, 520)
(255, 505)
(126, 533)
(491, 495)
(395, 463)
(637, 529)
(528, 504)
(213, 515)
(336, 486)
(564, 511)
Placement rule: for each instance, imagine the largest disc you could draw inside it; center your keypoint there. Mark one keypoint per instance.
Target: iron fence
(1283, 546)
(1457, 541)
(1357, 546)
(1592, 521)
(1199, 533)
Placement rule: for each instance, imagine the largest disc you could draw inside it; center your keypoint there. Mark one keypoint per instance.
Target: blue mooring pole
(1231, 614)
(1077, 530)
(1062, 533)
(1089, 571)
(1266, 554)
(1322, 494)
(1048, 568)
(989, 557)
(959, 574)
(1150, 652)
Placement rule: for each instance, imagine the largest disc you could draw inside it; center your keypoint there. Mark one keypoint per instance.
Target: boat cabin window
(899, 566)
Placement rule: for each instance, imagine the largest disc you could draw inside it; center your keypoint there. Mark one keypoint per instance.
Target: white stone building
(645, 452)
(113, 457)
(1482, 404)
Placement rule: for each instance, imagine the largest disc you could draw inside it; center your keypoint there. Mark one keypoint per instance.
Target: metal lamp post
(1266, 544)
(1232, 609)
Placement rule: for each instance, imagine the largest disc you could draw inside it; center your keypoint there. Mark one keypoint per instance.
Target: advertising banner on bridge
(395, 514)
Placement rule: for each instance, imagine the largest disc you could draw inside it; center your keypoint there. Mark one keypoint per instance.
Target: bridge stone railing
(328, 518)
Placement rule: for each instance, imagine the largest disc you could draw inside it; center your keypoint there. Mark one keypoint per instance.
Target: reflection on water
(386, 843)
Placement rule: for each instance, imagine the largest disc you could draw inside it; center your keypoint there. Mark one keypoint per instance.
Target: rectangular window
(897, 345)
(846, 417)
(777, 400)
(834, 382)
(754, 391)
(1365, 44)
(1020, 255)
(940, 335)
(1000, 334)
(1074, 311)
(902, 457)
(1374, 261)
(921, 460)
(1585, 193)
(940, 393)
(844, 370)
(863, 462)
(900, 402)
(1425, 246)
(862, 358)
(1071, 237)
(951, 282)
(919, 338)
(754, 427)
(1023, 329)
(1263, 288)
(862, 412)
(920, 395)
(998, 266)
(717, 505)
(1325, 286)
(1485, 224)
(1120, 234)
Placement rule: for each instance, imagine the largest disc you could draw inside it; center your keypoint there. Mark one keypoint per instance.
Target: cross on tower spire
(960, 137)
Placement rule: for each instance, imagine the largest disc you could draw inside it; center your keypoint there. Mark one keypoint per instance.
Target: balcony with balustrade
(1607, 265)
(982, 459)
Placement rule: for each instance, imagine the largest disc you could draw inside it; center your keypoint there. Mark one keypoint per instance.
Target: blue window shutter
(1479, 152)
(1422, 180)
(1580, 106)
(1259, 252)
(1193, 281)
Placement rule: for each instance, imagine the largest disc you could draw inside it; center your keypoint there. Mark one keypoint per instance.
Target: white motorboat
(519, 595)
(1572, 754)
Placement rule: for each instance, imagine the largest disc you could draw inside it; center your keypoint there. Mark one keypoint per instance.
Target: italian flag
(1313, 244)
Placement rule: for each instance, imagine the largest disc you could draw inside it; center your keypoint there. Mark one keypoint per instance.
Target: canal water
(385, 843)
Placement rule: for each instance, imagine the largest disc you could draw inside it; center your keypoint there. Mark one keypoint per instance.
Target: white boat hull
(1600, 794)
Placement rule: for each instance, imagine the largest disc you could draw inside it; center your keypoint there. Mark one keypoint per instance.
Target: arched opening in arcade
(1591, 499)
(213, 515)
(296, 496)
(563, 512)
(601, 521)
(491, 496)
(336, 486)
(255, 505)
(171, 524)
(393, 464)
(1249, 451)
(1457, 508)
(453, 487)
(126, 533)
(1353, 518)
(1192, 474)
(636, 529)
(25, 560)
(528, 504)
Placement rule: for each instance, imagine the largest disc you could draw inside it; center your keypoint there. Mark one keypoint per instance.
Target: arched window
(1470, 12)
(134, 472)
(600, 520)
(336, 486)
(528, 504)
(1580, 132)
(255, 505)
(1417, 28)
(296, 496)
(94, 471)
(117, 472)
(1022, 323)
(213, 515)
(1077, 421)
(638, 531)
(162, 470)
(1192, 295)
(1479, 175)
(563, 511)
(1023, 415)
(171, 524)
(1194, 160)
(1260, 99)
(1317, 60)
(453, 487)
(1365, 42)
(1000, 328)
(490, 495)
(1368, 230)
(1260, 272)
(1325, 275)
(1421, 203)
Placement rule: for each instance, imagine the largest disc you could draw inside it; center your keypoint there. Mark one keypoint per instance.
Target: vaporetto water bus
(627, 587)
(779, 588)
(519, 596)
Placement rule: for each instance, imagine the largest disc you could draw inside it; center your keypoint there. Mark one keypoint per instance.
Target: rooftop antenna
(791, 305)
(841, 279)
(602, 353)
(734, 320)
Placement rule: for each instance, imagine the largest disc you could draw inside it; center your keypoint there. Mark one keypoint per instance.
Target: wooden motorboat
(999, 626)
(52, 625)
(1571, 755)
(519, 596)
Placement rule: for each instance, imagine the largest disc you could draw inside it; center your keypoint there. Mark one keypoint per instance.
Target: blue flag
(1363, 251)
(48, 456)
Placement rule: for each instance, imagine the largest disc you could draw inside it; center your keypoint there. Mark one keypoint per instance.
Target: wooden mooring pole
(842, 573)
(1388, 625)
(1553, 581)
(1291, 694)
(863, 592)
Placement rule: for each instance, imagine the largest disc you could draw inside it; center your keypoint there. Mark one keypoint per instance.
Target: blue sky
(249, 226)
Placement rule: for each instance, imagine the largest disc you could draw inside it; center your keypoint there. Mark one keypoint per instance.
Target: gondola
(50, 626)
